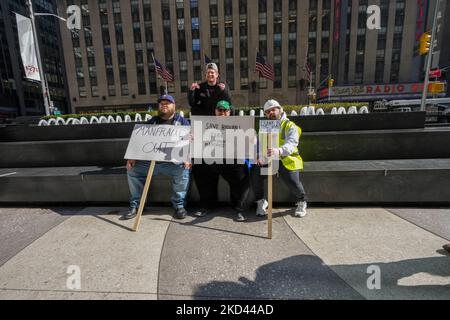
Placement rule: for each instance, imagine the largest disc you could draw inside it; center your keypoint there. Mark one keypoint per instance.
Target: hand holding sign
(130, 164)
(275, 152)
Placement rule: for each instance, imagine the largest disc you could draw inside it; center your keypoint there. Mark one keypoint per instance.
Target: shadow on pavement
(301, 277)
(298, 277)
(228, 213)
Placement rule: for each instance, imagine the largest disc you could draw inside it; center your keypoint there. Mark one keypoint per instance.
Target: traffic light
(425, 43)
(330, 82)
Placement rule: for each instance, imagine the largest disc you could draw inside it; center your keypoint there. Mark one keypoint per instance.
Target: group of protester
(211, 98)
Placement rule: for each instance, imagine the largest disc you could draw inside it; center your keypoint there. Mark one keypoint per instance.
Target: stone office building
(110, 64)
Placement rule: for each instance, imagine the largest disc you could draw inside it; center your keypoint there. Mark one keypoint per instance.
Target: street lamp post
(430, 57)
(44, 84)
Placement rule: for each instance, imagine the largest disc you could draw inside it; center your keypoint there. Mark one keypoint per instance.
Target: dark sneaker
(446, 247)
(201, 213)
(240, 217)
(180, 213)
(130, 215)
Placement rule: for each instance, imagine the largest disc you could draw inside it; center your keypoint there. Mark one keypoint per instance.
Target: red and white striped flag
(307, 70)
(163, 72)
(263, 68)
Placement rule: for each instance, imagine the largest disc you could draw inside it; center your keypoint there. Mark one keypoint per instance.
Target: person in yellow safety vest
(291, 162)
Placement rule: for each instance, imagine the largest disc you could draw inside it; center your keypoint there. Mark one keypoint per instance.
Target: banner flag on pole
(27, 47)
(263, 68)
(308, 71)
(163, 72)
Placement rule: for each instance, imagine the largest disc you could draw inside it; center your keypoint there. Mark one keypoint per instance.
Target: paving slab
(435, 220)
(73, 295)
(360, 243)
(21, 226)
(111, 258)
(215, 257)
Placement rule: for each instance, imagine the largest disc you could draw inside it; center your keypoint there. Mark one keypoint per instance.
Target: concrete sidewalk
(332, 253)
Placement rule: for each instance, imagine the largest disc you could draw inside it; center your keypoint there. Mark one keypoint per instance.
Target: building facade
(18, 96)
(110, 61)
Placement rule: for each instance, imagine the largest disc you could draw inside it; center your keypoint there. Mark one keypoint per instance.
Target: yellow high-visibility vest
(293, 161)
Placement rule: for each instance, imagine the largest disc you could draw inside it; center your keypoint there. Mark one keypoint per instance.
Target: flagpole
(156, 72)
(44, 85)
(255, 61)
(309, 71)
(204, 63)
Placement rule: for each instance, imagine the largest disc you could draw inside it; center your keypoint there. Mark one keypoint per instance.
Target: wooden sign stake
(137, 222)
(269, 188)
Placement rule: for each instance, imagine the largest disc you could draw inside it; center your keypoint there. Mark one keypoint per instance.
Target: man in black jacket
(204, 97)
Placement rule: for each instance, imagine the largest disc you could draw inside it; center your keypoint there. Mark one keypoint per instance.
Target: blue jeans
(180, 181)
(291, 178)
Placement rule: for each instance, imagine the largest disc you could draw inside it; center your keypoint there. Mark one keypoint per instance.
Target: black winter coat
(203, 101)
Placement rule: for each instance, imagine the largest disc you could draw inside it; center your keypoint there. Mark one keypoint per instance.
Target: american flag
(163, 72)
(263, 68)
(307, 70)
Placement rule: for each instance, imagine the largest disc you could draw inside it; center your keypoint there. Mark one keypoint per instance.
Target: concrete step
(424, 181)
(318, 146)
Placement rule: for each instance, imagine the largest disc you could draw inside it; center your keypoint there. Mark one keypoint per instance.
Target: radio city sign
(373, 91)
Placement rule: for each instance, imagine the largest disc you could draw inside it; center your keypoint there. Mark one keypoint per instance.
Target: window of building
(262, 5)
(242, 7)
(230, 76)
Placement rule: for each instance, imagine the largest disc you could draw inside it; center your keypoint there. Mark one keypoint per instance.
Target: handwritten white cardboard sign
(223, 137)
(269, 126)
(159, 143)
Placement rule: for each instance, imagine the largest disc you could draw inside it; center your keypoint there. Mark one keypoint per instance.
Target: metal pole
(44, 85)
(310, 86)
(329, 88)
(306, 68)
(156, 72)
(50, 14)
(430, 58)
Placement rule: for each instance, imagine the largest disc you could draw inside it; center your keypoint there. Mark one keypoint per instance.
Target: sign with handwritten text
(159, 143)
(223, 137)
(269, 126)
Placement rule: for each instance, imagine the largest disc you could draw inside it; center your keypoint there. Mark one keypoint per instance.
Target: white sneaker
(300, 211)
(261, 207)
